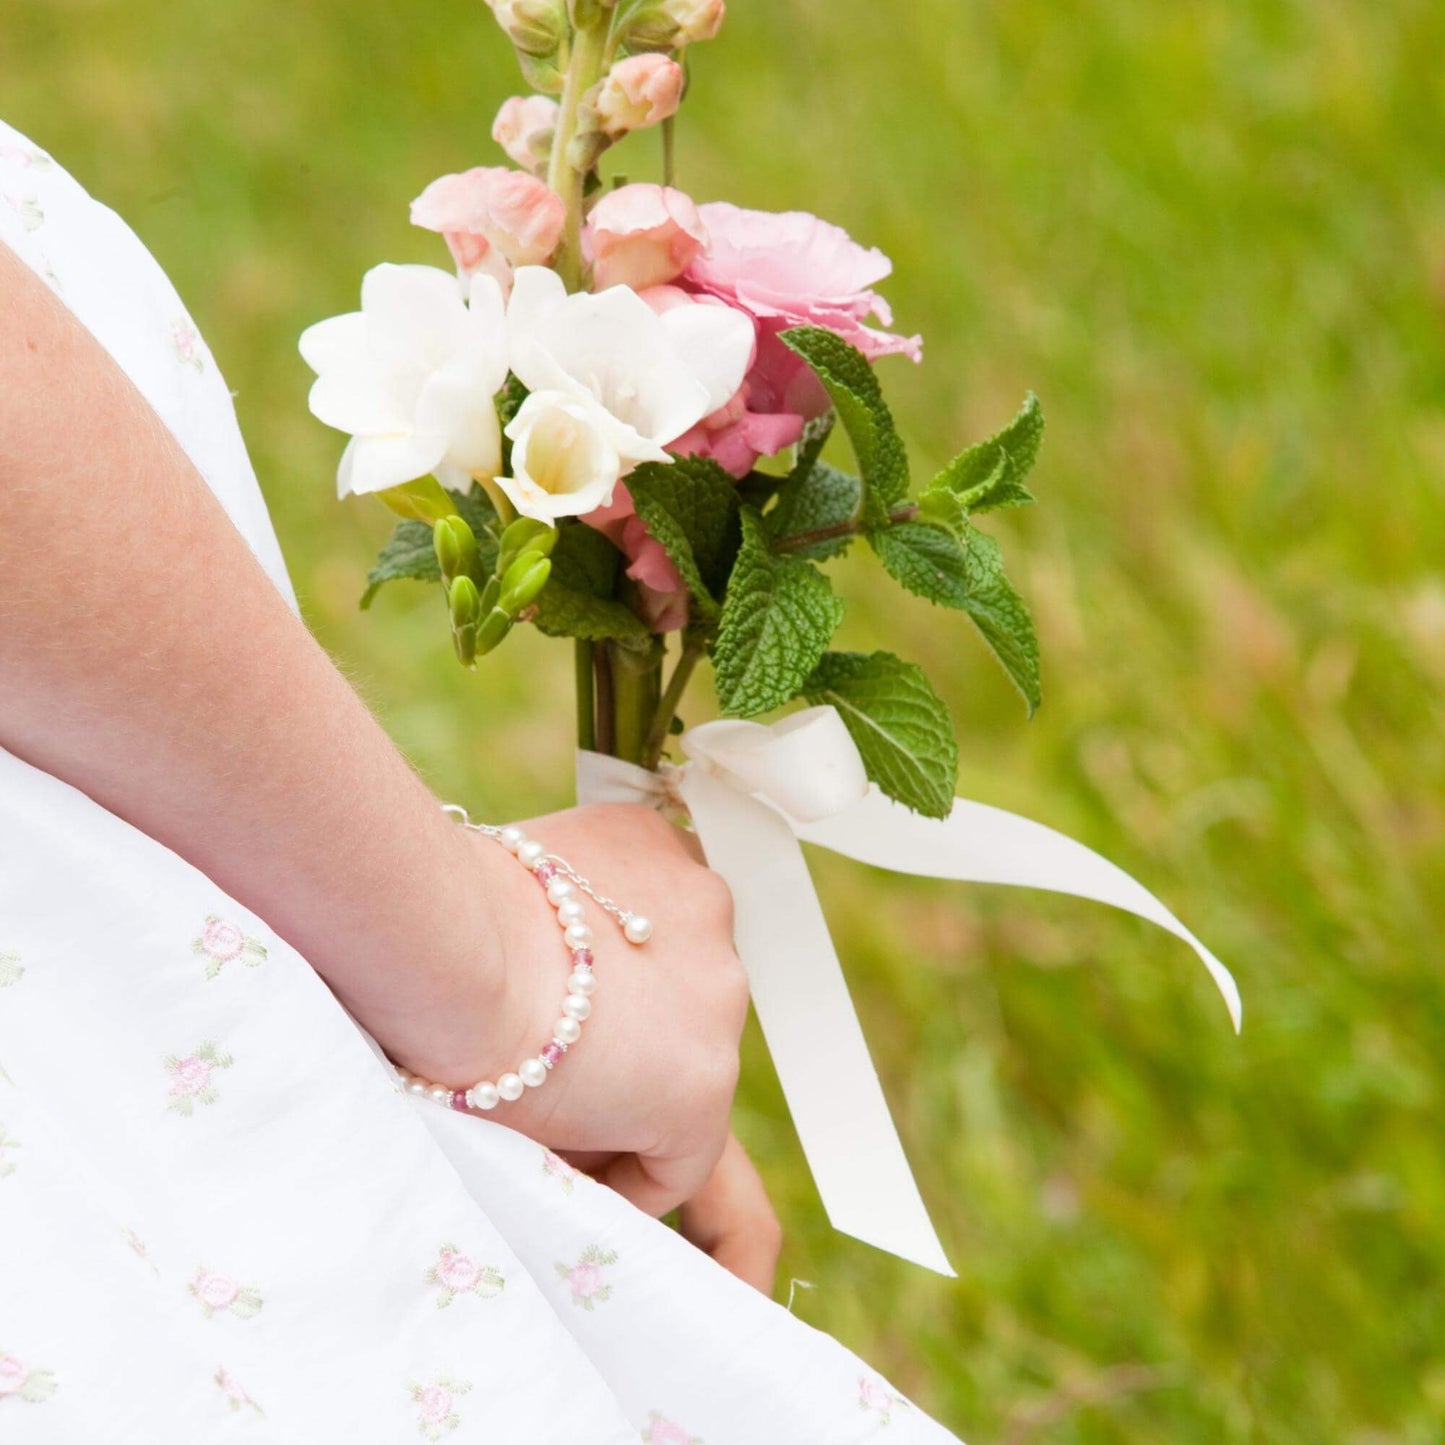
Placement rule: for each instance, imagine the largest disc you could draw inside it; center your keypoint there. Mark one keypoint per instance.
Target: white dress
(220, 1218)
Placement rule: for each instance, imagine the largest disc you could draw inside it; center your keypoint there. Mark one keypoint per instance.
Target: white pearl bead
(439, 1095)
(559, 890)
(533, 1073)
(416, 1086)
(569, 911)
(581, 980)
(512, 839)
(530, 852)
(577, 1006)
(637, 929)
(578, 935)
(485, 1095)
(510, 1086)
(568, 1030)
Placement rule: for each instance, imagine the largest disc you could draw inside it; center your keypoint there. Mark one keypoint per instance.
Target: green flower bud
(525, 578)
(535, 27)
(490, 593)
(496, 626)
(424, 500)
(523, 534)
(456, 548)
(541, 74)
(464, 602)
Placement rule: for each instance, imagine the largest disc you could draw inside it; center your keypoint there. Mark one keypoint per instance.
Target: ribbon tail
(810, 1025)
(980, 844)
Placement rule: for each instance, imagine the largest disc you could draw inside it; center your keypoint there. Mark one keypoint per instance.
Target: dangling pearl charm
(637, 928)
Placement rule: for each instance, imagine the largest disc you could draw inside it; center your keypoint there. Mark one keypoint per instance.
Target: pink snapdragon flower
(642, 235)
(791, 269)
(521, 123)
(492, 219)
(661, 592)
(639, 91)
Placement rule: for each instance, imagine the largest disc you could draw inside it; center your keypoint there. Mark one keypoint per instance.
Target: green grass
(1212, 237)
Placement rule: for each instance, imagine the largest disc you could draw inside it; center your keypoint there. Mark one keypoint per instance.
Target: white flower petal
(487, 331)
(714, 343)
(337, 341)
(563, 459)
(536, 294)
(456, 403)
(371, 464)
(415, 314)
(362, 399)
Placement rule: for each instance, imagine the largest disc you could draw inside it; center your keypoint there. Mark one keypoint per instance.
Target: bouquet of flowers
(610, 422)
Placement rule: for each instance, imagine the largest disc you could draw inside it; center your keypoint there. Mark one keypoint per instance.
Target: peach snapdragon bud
(671, 24)
(639, 91)
(523, 128)
(492, 219)
(535, 27)
(642, 235)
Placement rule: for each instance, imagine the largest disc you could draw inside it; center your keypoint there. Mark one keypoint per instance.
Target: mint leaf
(578, 599)
(899, 723)
(820, 497)
(964, 570)
(409, 554)
(991, 474)
(776, 621)
(690, 507)
(853, 388)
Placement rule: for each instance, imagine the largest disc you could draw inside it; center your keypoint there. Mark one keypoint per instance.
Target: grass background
(1212, 237)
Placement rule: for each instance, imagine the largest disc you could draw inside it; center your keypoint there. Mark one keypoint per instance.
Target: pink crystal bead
(550, 1053)
(545, 871)
(459, 1100)
(581, 958)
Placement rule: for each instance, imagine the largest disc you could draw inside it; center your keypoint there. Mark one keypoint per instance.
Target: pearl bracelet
(562, 883)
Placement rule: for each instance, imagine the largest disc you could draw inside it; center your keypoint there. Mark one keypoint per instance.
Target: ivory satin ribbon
(754, 793)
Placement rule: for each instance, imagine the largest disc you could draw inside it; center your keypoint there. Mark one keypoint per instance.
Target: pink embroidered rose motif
(220, 1294)
(10, 970)
(436, 1404)
(560, 1169)
(874, 1398)
(455, 1273)
(661, 1431)
(186, 343)
(19, 1381)
(586, 1279)
(235, 1393)
(222, 942)
(193, 1077)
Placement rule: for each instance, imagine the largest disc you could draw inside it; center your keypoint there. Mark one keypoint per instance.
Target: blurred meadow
(1212, 238)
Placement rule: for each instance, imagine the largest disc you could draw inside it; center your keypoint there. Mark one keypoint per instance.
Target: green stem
(798, 540)
(667, 709)
(669, 154)
(586, 715)
(606, 728)
(636, 674)
(584, 65)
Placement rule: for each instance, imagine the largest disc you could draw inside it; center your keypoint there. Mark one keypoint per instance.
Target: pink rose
(222, 940)
(791, 269)
(215, 1291)
(493, 219)
(585, 1279)
(521, 125)
(13, 1375)
(434, 1403)
(665, 1432)
(457, 1272)
(642, 235)
(661, 591)
(192, 1076)
(639, 91)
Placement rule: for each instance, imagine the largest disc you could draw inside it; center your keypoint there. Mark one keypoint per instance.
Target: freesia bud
(424, 500)
(492, 630)
(639, 91)
(456, 548)
(523, 128)
(464, 603)
(535, 27)
(523, 534)
(526, 577)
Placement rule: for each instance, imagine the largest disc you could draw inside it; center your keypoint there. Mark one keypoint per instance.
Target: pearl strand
(561, 883)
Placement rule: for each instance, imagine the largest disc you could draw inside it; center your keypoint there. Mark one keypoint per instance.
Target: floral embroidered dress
(220, 1218)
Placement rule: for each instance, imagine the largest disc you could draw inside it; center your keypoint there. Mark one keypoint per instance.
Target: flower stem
(636, 675)
(586, 718)
(798, 540)
(667, 708)
(584, 65)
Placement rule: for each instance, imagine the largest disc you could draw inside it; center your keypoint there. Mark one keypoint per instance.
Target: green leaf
(820, 497)
(578, 599)
(991, 474)
(853, 388)
(899, 723)
(405, 554)
(965, 571)
(776, 621)
(690, 507)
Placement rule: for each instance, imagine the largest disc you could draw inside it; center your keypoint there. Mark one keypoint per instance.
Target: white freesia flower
(412, 377)
(631, 381)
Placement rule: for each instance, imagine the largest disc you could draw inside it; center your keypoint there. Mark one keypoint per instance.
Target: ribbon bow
(754, 792)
